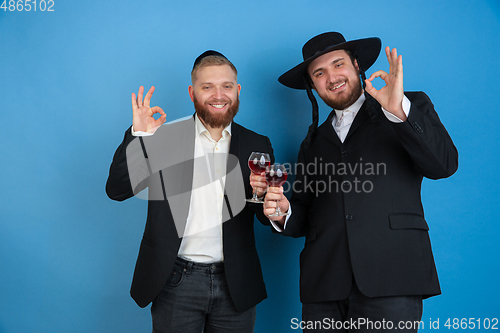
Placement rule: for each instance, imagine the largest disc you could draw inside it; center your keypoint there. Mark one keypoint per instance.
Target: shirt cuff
(140, 133)
(406, 108)
(277, 227)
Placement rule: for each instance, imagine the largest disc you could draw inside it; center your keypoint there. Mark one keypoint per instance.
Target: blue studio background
(67, 252)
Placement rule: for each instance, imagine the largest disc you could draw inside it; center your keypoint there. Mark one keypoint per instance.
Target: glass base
(254, 200)
(278, 214)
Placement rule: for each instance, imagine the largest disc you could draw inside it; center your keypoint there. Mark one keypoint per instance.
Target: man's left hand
(391, 96)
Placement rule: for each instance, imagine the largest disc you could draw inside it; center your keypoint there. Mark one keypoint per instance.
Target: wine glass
(257, 162)
(276, 176)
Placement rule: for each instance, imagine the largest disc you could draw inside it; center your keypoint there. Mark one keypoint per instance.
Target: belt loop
(189, 267)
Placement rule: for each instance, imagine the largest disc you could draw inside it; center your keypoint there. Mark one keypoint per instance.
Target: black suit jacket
(358, 204)
(161, 241)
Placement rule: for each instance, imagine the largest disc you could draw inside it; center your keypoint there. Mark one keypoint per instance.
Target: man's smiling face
(336, 79)
(215, 94)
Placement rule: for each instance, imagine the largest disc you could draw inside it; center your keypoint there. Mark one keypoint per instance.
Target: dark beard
(216, 120)
(344, 103)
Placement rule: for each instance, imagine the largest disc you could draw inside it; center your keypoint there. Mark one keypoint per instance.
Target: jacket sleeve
(426, 140)
(129, 156)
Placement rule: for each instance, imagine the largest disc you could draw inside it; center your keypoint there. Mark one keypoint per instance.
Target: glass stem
(254, 195)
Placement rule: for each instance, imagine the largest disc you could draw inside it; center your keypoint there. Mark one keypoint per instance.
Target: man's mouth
(218, 106)
(337, 86)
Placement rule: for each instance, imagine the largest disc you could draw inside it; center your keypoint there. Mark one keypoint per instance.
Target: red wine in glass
(258, 166)
(258, 162)
(277, 178)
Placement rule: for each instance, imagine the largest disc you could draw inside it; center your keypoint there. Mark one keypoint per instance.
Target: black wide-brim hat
(365, 50)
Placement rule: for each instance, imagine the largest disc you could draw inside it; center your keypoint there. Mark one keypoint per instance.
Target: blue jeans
(359, 313)
(196, 299)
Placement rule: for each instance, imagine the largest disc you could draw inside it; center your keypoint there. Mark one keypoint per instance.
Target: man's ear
(355, 62)
(191, 92)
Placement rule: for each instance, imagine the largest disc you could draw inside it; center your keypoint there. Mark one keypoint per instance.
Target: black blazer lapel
(358, 120)
(367, 110)
(328, 131)
(231, 164)
(233, 146)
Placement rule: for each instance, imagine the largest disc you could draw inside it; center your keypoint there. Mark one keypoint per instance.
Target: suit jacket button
(349, 217)
(344, 154)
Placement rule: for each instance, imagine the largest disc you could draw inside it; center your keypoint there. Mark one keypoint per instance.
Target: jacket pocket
(407, 221)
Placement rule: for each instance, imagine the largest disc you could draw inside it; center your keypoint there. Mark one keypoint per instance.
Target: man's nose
(218, 92)
(330, 76)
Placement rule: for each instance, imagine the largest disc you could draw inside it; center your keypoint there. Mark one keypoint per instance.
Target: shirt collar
(354, 108)
(201, 129)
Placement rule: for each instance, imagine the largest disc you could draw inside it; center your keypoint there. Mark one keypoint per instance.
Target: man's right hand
(270, 202)
(142, 119)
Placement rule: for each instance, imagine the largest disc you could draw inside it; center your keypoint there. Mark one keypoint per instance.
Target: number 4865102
(27, 5)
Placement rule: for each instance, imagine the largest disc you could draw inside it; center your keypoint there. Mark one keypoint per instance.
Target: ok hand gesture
(391, 96)
(142, 119)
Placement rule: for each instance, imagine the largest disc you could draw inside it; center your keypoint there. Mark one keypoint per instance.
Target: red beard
(220, 120)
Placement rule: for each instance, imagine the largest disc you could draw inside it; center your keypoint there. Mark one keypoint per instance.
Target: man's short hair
(212, 60)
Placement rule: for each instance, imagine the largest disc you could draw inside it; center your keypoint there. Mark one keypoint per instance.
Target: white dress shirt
(202, 241)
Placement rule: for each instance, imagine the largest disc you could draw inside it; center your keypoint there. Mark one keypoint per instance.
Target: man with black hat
(367, 261)
(197, 263)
